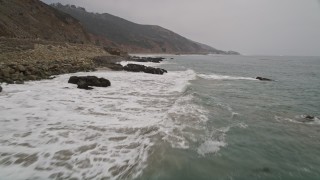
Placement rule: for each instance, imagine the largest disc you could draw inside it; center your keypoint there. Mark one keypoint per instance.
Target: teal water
(207, 119)
(254, 129)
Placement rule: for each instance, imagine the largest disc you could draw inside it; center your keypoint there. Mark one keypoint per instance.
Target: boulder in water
(147, 59)
(263, 79)
(0, 89)
(142, 68)
(83, 85)
(89, 81)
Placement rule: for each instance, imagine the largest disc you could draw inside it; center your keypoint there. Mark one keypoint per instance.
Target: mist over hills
(110, 30)
(33, 19)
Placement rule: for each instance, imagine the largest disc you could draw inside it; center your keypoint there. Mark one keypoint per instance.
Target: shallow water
(208, 118)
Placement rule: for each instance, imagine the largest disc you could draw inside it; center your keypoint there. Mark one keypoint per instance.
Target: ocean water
(208, 118)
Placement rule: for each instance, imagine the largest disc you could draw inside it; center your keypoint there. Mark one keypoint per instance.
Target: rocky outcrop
(147, 59)
(142, 68)
(18, 73)
(263, 79)
(116, 52)
(24, 60)
(111, 62)
(84, 82)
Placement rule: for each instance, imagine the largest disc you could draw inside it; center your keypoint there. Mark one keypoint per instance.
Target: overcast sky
(252, 27)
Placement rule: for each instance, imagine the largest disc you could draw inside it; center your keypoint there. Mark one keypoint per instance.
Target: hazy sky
(253, 27)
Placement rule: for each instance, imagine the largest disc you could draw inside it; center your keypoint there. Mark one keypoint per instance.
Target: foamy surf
(300, 119)
(223, 77)
(51, 129)
(151, 64)
(210, 146)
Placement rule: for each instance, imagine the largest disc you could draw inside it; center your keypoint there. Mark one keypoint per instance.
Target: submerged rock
(142, 68)
(263, 79)
(307, 119)
(263, 170)
(85, 81)
(0, 89)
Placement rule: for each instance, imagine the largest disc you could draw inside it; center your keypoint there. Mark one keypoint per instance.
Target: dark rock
(147, 59)
(134, 68)
(74, 80)
(263, 79)
(142, 68)
(309, 117)
(115, 67)
(306, 119)
(83, 85)
(0, 89)
(90, 81)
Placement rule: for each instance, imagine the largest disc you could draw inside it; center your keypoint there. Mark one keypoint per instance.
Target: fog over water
(253, 27)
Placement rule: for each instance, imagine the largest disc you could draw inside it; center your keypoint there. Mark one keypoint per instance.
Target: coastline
(23, 60)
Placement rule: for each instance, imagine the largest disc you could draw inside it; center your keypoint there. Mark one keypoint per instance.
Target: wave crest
(224, 77)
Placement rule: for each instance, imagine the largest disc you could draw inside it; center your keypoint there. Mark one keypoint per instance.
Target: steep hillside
(110, 30)
(33, 19)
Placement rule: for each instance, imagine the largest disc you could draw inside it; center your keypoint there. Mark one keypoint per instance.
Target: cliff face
(109, 30)
(33, 19)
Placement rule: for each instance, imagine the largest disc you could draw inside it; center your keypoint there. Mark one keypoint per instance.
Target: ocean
(207, 118)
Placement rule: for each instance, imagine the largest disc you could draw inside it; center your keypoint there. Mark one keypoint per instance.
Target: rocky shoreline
(44, 61)
(17, 73)
(27, 60)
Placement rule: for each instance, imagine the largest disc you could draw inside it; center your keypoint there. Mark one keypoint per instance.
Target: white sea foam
(151, 64)
(215, 139)
(223, 77)
(210, 146)
(184, 121)
(52, 129)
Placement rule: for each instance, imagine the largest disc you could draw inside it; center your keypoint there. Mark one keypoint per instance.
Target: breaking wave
(51, 129)
(223, 77)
